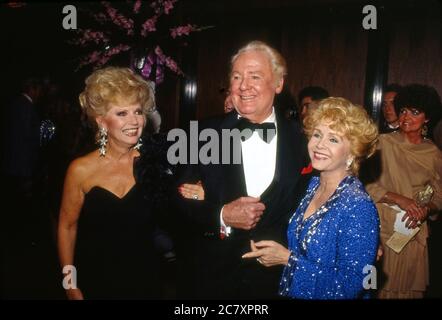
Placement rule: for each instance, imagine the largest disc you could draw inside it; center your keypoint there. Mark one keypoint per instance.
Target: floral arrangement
(140, 27)
(15, 4)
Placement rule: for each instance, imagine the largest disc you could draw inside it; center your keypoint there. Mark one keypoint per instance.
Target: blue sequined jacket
(330, 249)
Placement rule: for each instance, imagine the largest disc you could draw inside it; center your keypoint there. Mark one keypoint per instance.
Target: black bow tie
(266, 130)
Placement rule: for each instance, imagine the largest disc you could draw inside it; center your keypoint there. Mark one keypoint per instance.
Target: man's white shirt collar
(270, 119)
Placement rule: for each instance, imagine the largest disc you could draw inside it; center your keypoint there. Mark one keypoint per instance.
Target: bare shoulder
(82, 167)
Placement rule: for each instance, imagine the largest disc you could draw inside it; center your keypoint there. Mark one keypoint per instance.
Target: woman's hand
(403, 202)
(192, 191)
(414, 215)
(74, 294)
(380, 253)
(268, 253)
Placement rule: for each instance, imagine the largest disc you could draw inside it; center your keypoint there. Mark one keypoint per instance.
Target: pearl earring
(349, 163)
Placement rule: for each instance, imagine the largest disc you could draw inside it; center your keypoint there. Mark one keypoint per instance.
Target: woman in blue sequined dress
(333, 235)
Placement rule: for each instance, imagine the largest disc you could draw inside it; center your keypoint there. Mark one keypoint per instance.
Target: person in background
(391, 120)
(437, 134)
(21, 138)
(228, 103)
(308, 95)
(409, 163)
(153, 125)
(287, 103)
(333, 235)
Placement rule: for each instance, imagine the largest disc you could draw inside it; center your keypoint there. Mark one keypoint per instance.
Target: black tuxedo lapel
(286, 175)
(283, 136)
(234, 180)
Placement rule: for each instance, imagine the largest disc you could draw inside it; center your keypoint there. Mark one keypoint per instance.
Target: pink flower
(147, 68)
(162, 6)
(149, 26)
(168, 6)
(111, 52)
(137, 6)
(90, 36)
(162, 59)
(182, 30)
(118, 18)
(160, 55)
(156, 61)
(173, 66)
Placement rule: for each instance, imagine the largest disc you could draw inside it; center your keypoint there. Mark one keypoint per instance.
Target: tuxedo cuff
(224, 230)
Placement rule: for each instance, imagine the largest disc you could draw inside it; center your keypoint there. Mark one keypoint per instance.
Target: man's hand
(243, 213)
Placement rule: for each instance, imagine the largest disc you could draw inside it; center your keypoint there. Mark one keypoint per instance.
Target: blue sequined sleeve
(345, 246)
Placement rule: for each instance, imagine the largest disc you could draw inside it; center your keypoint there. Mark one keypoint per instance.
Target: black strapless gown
(114, 255)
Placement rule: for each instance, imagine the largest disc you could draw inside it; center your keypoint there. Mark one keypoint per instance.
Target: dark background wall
(323, 41)
(324, 44)
(416, 45)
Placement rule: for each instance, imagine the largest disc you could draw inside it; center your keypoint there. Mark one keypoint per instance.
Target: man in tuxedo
(390, 121)
(252, 200)
(21, 137)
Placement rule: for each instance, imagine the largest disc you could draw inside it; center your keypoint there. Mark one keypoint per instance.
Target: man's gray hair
(279, 66)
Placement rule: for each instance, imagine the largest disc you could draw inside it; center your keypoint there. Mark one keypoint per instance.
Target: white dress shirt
(259, 161)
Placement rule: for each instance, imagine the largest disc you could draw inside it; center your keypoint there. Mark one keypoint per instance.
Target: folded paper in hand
(402, 235)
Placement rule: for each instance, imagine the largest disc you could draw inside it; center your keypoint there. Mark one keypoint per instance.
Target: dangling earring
(139, 144)
(349, 163)
(102, 141)
(424, 131)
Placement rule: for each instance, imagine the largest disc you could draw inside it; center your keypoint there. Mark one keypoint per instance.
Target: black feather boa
(153, 172)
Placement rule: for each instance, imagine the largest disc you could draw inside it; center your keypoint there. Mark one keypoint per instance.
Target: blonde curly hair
(352, 121)
(113, 85)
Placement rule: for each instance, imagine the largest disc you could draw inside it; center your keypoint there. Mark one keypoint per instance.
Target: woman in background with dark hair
(410, 162)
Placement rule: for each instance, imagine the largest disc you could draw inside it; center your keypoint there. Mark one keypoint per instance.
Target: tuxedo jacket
(215, 262)
(21, 138)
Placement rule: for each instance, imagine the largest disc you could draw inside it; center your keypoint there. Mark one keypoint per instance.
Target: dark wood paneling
(416, 52)
(167, 99)
(332, 56)
(324, 44)
(328, 50)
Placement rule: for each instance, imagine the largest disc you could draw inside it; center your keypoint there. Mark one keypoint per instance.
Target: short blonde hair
(113, 85)
(279, 66)
(352, 121)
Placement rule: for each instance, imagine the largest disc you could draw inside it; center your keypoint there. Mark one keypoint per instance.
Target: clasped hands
(243, 213)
